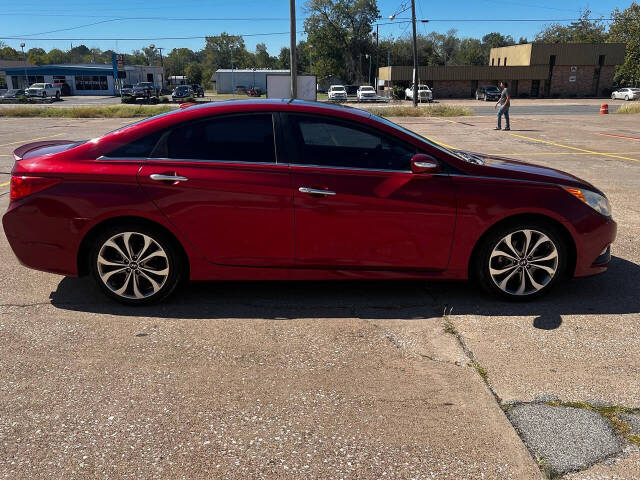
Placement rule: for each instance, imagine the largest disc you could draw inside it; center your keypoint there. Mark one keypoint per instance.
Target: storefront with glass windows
(86, 79)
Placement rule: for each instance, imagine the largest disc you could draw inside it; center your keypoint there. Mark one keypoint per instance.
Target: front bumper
(594, 247)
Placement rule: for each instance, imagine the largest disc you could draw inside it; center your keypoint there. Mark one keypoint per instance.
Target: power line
(197, 37)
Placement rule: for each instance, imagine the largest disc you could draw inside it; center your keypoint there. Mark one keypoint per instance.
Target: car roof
(205, 110)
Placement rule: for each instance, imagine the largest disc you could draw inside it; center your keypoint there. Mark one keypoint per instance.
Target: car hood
(503, 167)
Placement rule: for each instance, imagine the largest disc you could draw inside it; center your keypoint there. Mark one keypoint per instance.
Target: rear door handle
(315, 191)
(159, 177)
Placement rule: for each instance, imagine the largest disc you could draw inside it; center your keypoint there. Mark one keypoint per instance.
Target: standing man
(503, 106)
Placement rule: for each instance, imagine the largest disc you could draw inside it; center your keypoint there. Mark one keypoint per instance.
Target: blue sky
(69, 14)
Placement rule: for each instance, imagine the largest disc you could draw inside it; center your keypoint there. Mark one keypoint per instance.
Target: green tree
(340, 32)
(626, 28)
(471, 52)
(176, 61)
(262, 57)
(8, 53)
(221, 51)
(194, 73)
(37, 56)
(583, 30)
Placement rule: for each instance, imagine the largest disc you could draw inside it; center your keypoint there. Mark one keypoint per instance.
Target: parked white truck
(424, 93)
(43, 90)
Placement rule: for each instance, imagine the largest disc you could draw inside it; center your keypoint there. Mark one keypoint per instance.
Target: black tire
(57, 95)
(484, 263)
(44, 94)
(486, 99)
(171, 260)
(626, 98)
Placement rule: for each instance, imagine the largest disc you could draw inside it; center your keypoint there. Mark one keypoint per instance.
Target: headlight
(596, 201)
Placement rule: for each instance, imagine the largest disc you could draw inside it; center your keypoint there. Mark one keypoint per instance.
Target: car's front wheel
(135, 265)
(613, 96)
(521, 262)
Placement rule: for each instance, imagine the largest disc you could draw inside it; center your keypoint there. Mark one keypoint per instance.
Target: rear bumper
(51, 247)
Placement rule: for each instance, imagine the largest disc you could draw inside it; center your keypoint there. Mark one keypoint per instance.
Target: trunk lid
(46, 147)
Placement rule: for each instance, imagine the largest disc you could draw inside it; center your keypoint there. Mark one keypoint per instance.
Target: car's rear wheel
(626, 98)
(613, 96)
(135, 265)
(521, 262)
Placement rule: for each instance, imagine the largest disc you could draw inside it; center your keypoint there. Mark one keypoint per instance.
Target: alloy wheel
(523, 262)
(132, 265)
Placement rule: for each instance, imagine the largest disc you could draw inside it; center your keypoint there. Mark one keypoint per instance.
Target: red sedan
(281, 190)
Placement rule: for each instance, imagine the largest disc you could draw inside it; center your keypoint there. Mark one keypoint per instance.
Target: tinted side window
(241, 138)
(336, 144)
(140, 148)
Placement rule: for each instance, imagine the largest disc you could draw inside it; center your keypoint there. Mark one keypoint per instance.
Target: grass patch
(629, 108)
(422, 111)
(111, 111)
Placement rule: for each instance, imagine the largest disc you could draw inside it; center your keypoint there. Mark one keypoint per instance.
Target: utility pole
(415, 47)
(377, 56)
(162, 65)
(310, 59)
(292, 49)
(415, 54)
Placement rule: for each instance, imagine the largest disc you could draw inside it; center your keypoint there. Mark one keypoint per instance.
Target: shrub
(629, 108)
(421, 111)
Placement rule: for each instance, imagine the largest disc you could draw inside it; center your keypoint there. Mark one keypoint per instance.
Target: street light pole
(24, 58)
(292, 49)
(367, 55)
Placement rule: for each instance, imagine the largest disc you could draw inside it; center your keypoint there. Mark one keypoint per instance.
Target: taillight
(21, 186)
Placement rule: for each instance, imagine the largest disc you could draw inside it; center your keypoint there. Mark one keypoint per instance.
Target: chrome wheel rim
(523, 262)
(133, 265)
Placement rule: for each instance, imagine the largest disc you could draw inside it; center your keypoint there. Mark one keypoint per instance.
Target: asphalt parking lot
(334, 380)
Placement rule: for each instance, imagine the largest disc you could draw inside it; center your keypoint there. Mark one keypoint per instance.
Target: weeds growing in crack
(448, 325)
(611, 413)
(546, 469)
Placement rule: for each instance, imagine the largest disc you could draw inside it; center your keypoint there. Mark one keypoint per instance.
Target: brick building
(532, 70)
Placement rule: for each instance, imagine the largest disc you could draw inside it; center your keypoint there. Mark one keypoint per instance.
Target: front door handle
(315, 191)
(158, 177)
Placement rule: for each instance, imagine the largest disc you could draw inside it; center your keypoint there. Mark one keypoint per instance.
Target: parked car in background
(352, 90)
(198, 91)
(145, 89)
(65, 89)
(488, 92)
(254, 92)
(181, 92)
(43, 90)
(626, 94)
(13, 94)
(337, 93)
(127, 89)
(424, 93)
(273, 190)
(366, 93)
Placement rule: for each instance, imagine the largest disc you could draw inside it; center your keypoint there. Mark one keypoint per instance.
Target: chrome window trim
(308, 165)
(202, 160)
(120, 159)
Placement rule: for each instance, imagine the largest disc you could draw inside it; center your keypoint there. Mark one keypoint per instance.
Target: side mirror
(421, 163)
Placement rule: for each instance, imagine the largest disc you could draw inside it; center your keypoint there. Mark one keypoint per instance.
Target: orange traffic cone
(604, 109)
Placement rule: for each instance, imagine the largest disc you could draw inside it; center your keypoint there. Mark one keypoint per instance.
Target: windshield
(337, 89)
(37, 85)
(492, 89)
(366, 89)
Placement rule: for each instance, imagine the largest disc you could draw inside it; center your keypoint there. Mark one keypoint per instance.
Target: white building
(227, 80)
(84, 79)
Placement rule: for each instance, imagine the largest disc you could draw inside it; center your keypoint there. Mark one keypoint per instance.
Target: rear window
(140, 148)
